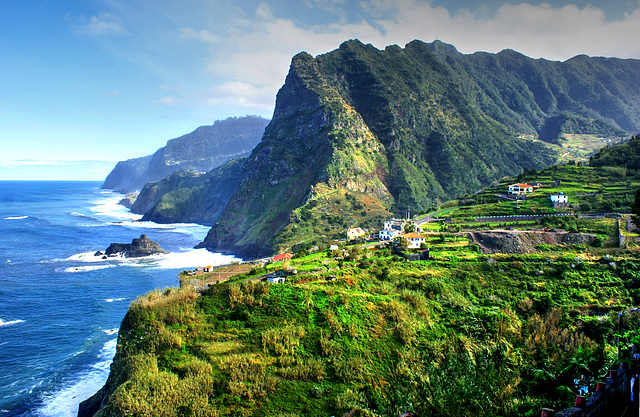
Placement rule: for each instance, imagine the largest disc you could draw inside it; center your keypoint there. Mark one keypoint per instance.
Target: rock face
(202, 150)
(142, 246)
(128, 200)
(521, 242)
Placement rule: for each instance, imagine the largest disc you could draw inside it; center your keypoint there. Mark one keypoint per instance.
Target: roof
(412, 235)
(282, 257)
(521, 185)
(355, 229)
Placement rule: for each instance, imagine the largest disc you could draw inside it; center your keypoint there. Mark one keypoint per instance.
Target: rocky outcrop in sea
(142, 246)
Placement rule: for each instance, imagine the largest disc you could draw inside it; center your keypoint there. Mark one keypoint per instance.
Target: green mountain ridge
(413, 127)
(359, 134)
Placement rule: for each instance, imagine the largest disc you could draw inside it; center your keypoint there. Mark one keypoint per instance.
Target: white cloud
(245, 53)
(238, 94)
(169, 101)
(201, 35)
(104, 24)
(535, 30)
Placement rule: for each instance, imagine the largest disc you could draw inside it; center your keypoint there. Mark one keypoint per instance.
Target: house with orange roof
(282, 257)
(519, 188)
(414, 240)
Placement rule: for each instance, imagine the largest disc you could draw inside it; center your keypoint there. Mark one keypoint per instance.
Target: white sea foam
(111, 300)
(74, 214)
(10, 322)
(109, 207)
(86, 268)
(16, 218)
(193, 259)
(145, 225)
(91, 257)
(64, 403)
(111, 332)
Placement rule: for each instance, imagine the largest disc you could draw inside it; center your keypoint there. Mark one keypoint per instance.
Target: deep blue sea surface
(61, 306)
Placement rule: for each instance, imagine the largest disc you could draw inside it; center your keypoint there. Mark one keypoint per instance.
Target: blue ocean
(61, 306)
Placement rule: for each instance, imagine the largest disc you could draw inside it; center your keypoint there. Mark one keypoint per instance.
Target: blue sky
(85, 84)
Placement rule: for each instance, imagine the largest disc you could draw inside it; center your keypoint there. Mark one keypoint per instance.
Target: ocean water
(61, 306)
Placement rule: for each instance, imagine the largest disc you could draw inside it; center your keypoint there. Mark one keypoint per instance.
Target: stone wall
(611, 398)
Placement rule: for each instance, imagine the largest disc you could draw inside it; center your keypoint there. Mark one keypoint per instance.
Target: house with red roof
(519, 188)
(282, 257)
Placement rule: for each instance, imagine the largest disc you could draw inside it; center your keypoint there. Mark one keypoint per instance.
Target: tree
(409, 227)
(401, 243)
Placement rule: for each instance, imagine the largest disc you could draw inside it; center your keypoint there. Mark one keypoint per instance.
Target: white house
(276, 280)
(391, 229)
(559, 198)
(414, 240)
(520, 188)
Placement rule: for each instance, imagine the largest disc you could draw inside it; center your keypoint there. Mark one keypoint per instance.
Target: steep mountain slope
(394, 125)
(626, 155)
(545, 98)
(203, 149)
(190, 197)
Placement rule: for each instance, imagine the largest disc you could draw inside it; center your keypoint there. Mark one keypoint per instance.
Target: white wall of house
(559, 198)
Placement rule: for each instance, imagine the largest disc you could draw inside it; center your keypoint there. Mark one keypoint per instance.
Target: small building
(354, 233)
(391, 229)
(334, 247)
(414, 240)
(276, 280)
(207, 268)
(388, 234)
(282, 257)
(519, 188)
(559, 198)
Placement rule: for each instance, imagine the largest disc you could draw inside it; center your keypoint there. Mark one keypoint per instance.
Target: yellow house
(354, 233)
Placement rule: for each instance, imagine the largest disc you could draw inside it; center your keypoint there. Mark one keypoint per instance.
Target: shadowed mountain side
(202, 150)
(190, 197)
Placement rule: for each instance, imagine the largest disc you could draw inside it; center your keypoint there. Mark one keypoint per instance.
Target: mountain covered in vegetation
(360, 131)
(359, 331)
(205, 148)
(626, 155)
(189, 196)
(546, 98)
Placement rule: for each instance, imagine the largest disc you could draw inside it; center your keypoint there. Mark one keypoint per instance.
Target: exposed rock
(525, 241)
(129, 199)
(98, 253)
(143, 246)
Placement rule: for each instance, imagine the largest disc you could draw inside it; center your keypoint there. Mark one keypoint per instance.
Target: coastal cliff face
(202, 150)
(189, 196)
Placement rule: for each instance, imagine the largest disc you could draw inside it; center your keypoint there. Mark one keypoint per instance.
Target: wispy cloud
(238, 94)
(169, 101)
(239, 55)
(103, 24)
